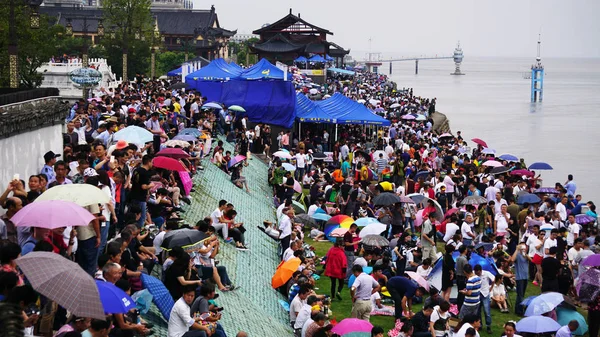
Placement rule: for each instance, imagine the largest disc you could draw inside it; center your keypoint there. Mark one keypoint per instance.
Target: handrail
(9, 98)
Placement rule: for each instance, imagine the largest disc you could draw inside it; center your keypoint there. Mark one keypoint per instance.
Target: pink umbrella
(492, 163)
(479, 142)
(168, 164)
(522, 173)
(349, 325)
(407, 117)
(52, 214)
(338, 232)
(446, 135)
(236, 160)
(419, 218)
(297, 186)
(173, 153)
(419, 279)
(450, 212)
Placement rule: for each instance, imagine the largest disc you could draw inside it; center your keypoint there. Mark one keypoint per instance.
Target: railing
(7, 97)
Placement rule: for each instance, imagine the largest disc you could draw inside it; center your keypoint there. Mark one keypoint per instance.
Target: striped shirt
(473, 284)
(381, 164)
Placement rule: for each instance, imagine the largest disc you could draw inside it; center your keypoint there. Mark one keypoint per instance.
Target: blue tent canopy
(328, 58)
(263, 70)
(347, 111)
(217, 70)
(308, 112)
(341, 71)
(300, 59)
(175, 72)
(317, 59)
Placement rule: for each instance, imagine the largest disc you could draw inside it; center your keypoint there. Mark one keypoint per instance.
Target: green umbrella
(237, 108)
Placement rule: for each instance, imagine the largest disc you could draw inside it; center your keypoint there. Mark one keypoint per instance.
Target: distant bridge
(416, 59)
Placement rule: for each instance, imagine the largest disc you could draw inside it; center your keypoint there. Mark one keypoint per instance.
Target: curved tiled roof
(277, 44)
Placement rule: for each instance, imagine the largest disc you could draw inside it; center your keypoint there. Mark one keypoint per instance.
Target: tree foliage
(167, 61)
(241, 50)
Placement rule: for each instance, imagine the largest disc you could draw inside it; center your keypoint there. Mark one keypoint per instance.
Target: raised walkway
(254, 307)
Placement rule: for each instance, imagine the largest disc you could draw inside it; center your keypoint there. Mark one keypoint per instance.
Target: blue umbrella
(190, 131)
(187, 138)
(566, 315)
(134, 134)
(544, 303)
(528, 198)
(161, 296)
(212, 105)
(508, 157)
(321, 216)
(528, 300)
(362, 222)
(540, 166)
(537, 324)
(416, 197)
(421, 174)
(114, 300)
(328, 230)
(485, 263)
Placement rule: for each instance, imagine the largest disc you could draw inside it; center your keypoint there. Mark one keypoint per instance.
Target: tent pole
(336, 127)
(299, 131)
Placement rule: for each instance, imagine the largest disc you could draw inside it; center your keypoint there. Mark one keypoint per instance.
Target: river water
(492, 102)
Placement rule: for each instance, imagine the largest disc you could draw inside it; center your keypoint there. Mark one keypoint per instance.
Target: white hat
(90, 172)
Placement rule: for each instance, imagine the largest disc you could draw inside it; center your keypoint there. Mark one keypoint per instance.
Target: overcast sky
(570, 28)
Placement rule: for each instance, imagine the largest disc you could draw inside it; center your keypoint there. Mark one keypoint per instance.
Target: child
(499, 293)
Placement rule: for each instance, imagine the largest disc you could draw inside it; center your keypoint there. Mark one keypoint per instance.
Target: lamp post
(13, 50)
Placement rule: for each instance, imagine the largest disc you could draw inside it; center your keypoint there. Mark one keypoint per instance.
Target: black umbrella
(184, 238)
(499, 170)
(364, 155)
(180, 85)
(386, 199)
(421, 174)
(319, 155)
(305, 219)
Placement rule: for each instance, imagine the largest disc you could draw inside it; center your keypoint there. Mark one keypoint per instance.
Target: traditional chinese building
(292, 37)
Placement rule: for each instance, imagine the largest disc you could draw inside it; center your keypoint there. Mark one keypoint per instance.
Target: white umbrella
(488, 150)
(372, 229)
(395, 105)
(361, 101)
(313, 91)
(282, 154)
(492, 163)
(176, 142)
(376, 154)
(134, 134)
(289, 167)
(421, 118)
(81, 194)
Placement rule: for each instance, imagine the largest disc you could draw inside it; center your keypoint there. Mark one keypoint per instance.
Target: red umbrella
(479, 142)
(168, 164)
(450, 212)
(522, 173)
(173, 153)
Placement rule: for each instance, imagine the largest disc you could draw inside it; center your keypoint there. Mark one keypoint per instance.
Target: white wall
(24, 153)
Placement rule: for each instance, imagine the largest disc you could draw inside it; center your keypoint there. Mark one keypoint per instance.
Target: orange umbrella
(284, 272)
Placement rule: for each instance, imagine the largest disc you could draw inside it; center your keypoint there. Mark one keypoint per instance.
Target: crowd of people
(446, 198)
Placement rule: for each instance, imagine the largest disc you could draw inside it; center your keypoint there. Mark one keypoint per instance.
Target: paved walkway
(254, 307)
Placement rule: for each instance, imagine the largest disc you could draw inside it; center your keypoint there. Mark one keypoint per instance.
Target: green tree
(167, 61)
(130, 19)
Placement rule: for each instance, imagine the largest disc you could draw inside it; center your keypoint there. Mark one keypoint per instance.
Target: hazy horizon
(484, 28)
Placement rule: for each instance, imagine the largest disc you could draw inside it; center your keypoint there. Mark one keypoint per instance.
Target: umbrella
(64, 282)
(375, 240)
(176, 142)
(168, 164)
(508, 157)
(350, 325)
(134, 134)
(395, 105)
(114, 300)
(416, 197)
(361, 101)
(386, 199)
(591, 261)
(419, 218)
(406, 200)
(372, 229)
(544, 303)
(236, 108)
(297, 186)
(488, 150)
(52, 214)
(537, 324)
(588, 284)
(421, 175)
(540, 166)
(282, 154)
(378, 152)
(81, 194)
(527, 300)
(321, 216)
(446, 135)
(546, 190)
(579, 218)
(173, 153)
(492, 163)
(330, 228)
(160, 294)
(450, 212)
(289, 167)
(473, 200)
(362, 222)
(419, 279)
(313, 91)
(204, 135)
(319, 155)
(499, 170)
(212, 105)
(566, 315)
(284, 272)
(485, 263)
(528, 198)
(190, 131)
(363, 154)
(380, 109)
(187, 138)
(338, 219)
(486, 246)
(479, 142)
(305, 219)
(298, 207)
(439, 213)
(421, 118)
(184, 238)
(522, 173)
(408, 117)
(236, 161)
(338, 232)
(180, 85)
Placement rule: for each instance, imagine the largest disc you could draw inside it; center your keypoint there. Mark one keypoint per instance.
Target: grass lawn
(342, 309)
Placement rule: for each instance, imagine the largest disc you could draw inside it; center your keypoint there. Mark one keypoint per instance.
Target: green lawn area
(342, 309)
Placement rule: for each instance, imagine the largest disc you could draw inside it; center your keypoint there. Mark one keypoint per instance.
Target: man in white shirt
(300, 164)
(451, 229)
(313, 208)
(501, 221)
(466, 231)
(298, 302)
(499, 183)
(490, 192)
(572, 254)
(289, 253)
(498, 203)
(487, 279)
(573, 229)
(285, 227)
(562, 209)
(181, 323)
(550, 242)
(218, 222)
(449, 186)
(305, 312)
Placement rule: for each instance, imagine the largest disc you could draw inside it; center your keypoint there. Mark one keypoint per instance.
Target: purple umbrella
(583, 219)
(588, 284)
(187, 138)
(546, 190)
(236, 161)
(408, 117)
(52, 214)
(591, 261)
